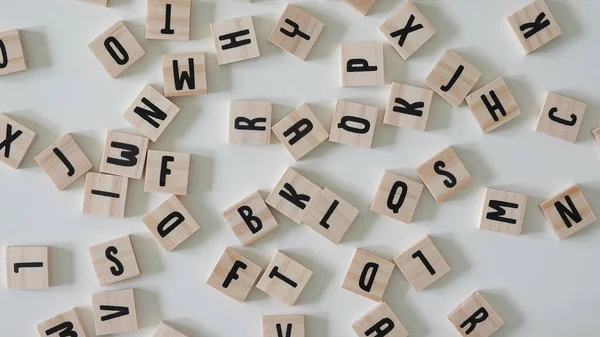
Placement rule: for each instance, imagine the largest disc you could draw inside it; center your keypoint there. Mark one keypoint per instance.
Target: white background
(539, 285)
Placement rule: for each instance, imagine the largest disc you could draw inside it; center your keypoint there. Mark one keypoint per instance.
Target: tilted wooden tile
(234, 40)
(167, 172)
(408, 107)
(170, 223)
(452, 78)
(296, 31)
(250, 122)
(65, 324)
(15, 141)
(397, 197)
(184, 74)
(503, 212)
(475, 317)
(533, 25)
(114, 312)
(353, 124)
(105, 195)
(444, 174)
(561, 117)
(330, 215)
(250, 219)
(493, 105)
(96, 2)
(368, 275)
(292, 194)
(362, 6)
(165, 330)
(168, 19)
(151, 113)
(568, 212)
(284, 279)
(12, 58)
(596, 134)
(116, 49)
(283, 325)
(379, 321)
(422, 264)
(64, 162)
(114, 260)
(124, 154)
(234, 275)
(362, 64)
(27, 267)
(300, 131)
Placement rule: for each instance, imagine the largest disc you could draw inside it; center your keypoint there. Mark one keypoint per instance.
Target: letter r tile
(234, 275)
(250, 219)
(475, 317)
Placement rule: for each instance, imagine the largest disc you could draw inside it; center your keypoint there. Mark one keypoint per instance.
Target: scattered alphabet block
(170, 223)
(475, 317)
(184, 74)
(64, 162)
(444, 174)
(452, 78)
(168, 19)
(114, 261)
(296, 32)
(27, 268)
(116, 49)
(167, 172)
(292, 194)
(124, 155)
(330, 215)
(408, 107)
(250, 219)
(16, 140)
(503, 212)
(250, 122)
(300, 131)
(353, 124)
(568, 212)
(379, 321)
(368, 275)
(114, 312)
(493, 105)
(362, 64)
(362, 6)
(65, 324)
(165, 330)
(234, 275)
(533, 25)
(105, 195)
(422, 264)
(283, 325)
(561, 117)
(397, 197)
(12, 59)
(235, 40)
(284, 279)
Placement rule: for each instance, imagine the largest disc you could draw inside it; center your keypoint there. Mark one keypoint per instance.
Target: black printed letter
(437, 167)
(362, 282)
(150, 115)
(499, 211)
(243, 123)
(492, 108)
(64, 329)
(381, 328)
(118, 269)
(327, 215)
(409, 28)
(4, 56)
(275, 273)
(288, 330)
(455, 77)
(164, 170)
(343, 124)
(167, 29)
(359, 65)
(395, 207)
(534, 27)
(407, 108)
(163, 230)
(252, 221)
(561, 120)
(290, 195)
(187, 77)
(232, 275)
(112, 41)
(233, 36)
(65, 161)
(568, 213)
(119, 311)
(295, 32)
(300, 129)
(473, 320)
(10, 137)
(419, 255)
(129, 152)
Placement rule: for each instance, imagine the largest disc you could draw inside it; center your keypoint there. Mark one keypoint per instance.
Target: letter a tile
(234, 275)
(368, 275)
(379, 321)
(568, 212)
(300, 131)
(284, 279)
(165, 330)
(250, 219)
(170, 223)
(475, 317)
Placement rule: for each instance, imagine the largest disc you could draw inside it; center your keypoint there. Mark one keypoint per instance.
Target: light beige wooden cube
(15, 141)
(493, 105)
(283, 325)
(114, 312)
(503, 212)
(167, 172)
(422, 264)
(27, 267)
(168, 19)
(368, 275)
(12, 58)
(165, 330)
(250, 219)
(105, 195)
(353, 124)
(63, 325)
(568, 212)
(362, 6)
(444, 174)
(379, 321)
(184, 74)
(64, 162)
(234, 275)
(475, 317)
(533, 25)
(250, 122)
(296, 32)
(234, 40)
(330, 215)
(300, 131)
(362, 64)
(284, 279)
(561, 117)
(292, 195)
(151, 113)
(116, 49)
(397, 197)
(170, 223)
(452, 78)
(114, 261)
(408, 107)
(124, 154)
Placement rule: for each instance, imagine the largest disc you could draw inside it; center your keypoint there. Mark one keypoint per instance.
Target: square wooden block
(167, 172)
(397, 197)
(533, 25)
(234, 40)
(250, 122)
(12, 58)
(165, 330)
(116, 49)
(292, 195)
(124, 154)
(475, 317)
(296, 32)
(422, 264)
(250, 219)
(380, 320)
(452, 78)
(27, 268)
(362, 6)
(300, 131)
(503, 212)
(114, 261)
(408, 107)
(64, 162)
(353, 124)
(105, 195)
(362, 64)
(284, 279)
(493, 105)
(151, 113)
(114, 312)
(170, 223)
(184, 74)
(330, 215)
(65, 324)
(407, 29)
(368, 275)
(168, 19)
(568, 212)
(234, 275)
(283, 325)
(561, 117)
(15, 141)
(444, 174)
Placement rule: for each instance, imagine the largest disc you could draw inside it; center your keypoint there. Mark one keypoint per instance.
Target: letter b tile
(234, 275)
(475, 317)
(368, 275)
(250, 219)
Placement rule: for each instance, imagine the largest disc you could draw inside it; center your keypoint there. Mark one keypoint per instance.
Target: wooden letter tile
(165, 330)
(234, 275)
(124, 155)
(184, 74)
(561, 117)
(283, 325)
(300, 131)
(250, 219)
(503, 212)
(235, 40)
(64, 162)
(249, 122)
(397, 197)
(15, 141)
(362, 64)
(167, 172)
(114, 312)
(475, 317)
(444, 174)
(116, 49)
(452, 78)
(296, 32)
(533, 25)
(284, 279)
(65, 324)
(379, 321)
(105, 195)
(493, 105)
(330, 215)
(353, 124)
(12, 58)
(408, 107)
(292, 194)
(27, 268)
(422, 264)
(568, 212)
(168, 19)
(114, 261)
(362, 6)
(368, 275)
(170, 223)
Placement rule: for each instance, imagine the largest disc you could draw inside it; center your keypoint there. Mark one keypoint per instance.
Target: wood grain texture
(330, 215)
(506, 110)
(170, 223)
(242, 29)
(452, 78)
(300, 131)
(175, 180)
(397, 197)
(112, 58)
(353, 124)
(531, 14)
(561, 117)
(234, 275)
(376, 316)
(260, 220)
(362, 6)
(420, 274)
(272, 284)
(568, 212)
(52, 164)
(52, 327)
(509, 206)
(184, 74)
(27, 267)
(291, 184)
(292, 323)
(103, 258)
(249, 117)
(105, 195)
(371, 56)
(451, 175)
(304, 28)
(124, 154)
(408, 107)
(471, 306)
(178, 27)
(365, 267)
(118, 303)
